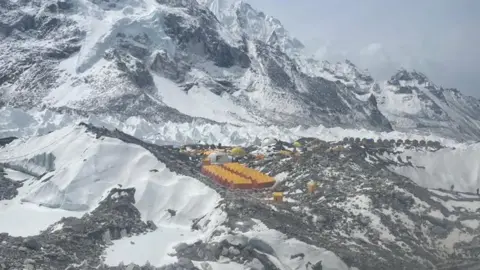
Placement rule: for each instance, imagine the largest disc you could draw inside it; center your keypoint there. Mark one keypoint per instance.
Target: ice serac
(19, 123)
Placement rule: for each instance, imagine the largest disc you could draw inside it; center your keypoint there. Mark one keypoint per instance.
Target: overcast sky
(440, 38)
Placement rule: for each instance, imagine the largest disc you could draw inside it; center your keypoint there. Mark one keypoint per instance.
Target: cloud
(371, 49)
(437, 37)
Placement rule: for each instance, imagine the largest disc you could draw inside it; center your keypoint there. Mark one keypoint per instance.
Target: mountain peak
(242, 19)
(350, 70)
(409, 76)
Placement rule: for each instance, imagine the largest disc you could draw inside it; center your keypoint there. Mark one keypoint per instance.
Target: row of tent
(206, 147)
(235, 175)
(392, 142)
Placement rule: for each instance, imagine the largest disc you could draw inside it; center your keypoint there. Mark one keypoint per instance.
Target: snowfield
(19, 218)
(198, 103)
(87, 168)
(443, 168)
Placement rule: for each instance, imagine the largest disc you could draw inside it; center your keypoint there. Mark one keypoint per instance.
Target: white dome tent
(219, 158)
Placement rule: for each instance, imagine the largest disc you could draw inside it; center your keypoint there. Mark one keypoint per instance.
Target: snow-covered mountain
(165, 60)
(411, 101)
(221, 61)
(243, 20)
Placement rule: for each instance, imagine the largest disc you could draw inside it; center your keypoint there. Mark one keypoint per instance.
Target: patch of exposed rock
(74, 241)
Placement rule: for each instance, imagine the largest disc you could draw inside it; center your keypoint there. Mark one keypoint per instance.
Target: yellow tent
(238, 152)
(297, 144)
(285, 153)
(311, 186)
(278, 196)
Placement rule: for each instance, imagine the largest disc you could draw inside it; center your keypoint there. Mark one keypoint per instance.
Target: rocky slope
(362, 216)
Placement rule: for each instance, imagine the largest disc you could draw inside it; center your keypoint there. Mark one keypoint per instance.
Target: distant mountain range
(214, 60)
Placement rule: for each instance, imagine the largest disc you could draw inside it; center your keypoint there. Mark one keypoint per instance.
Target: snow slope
(16, 175)
(156, 246)
(200, 102)
(83, 161)
(21, 218)
(443, 168)
(86, 168)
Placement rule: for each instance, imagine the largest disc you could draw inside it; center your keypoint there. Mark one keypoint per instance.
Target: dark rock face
(137, 72)
(377, 119)
(204, 40)
(404, 75)
(8, 187)
(326, 102)
(5, 141)
(172, 69)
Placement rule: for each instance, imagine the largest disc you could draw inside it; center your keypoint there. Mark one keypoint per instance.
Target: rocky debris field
(366, 214)
(360, 202)
(73, 240)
